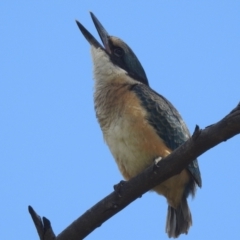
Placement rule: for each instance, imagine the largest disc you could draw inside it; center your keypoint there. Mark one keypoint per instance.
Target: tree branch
(127, 192)
(43, 226)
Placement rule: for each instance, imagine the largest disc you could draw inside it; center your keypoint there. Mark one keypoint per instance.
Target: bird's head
(114, 56)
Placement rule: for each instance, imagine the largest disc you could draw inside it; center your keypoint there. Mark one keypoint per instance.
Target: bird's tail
(178, 220)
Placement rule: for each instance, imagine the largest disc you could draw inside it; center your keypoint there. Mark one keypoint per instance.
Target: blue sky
(52, 152)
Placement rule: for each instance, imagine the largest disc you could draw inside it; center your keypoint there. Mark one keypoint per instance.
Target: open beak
(101, 31)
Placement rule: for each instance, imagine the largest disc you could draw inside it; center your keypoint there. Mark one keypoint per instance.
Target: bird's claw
(118, 187)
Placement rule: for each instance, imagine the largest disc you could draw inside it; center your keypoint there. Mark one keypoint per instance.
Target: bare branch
(127, 192)
(43, 226)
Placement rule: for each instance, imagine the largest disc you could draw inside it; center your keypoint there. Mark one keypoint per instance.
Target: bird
(138, 124)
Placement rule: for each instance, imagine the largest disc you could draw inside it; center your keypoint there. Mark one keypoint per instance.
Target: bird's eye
(118, 52)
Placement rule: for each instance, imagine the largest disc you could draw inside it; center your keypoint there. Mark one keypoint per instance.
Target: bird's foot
(156, 161)
(118, 187)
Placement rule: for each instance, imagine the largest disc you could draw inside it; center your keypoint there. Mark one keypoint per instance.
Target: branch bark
(43, 226)
(127, 192)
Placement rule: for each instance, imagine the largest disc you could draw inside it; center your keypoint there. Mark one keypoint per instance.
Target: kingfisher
(139, 125)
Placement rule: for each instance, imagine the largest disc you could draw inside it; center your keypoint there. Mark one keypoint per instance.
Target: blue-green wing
(167, 122)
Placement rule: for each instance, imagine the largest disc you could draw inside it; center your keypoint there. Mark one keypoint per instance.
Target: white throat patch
(103, 69)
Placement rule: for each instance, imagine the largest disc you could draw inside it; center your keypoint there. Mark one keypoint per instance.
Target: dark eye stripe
(118, 52)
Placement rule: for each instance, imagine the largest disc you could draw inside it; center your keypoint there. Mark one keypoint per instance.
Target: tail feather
(178, 220)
